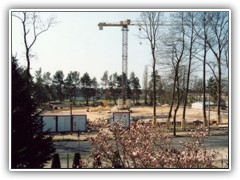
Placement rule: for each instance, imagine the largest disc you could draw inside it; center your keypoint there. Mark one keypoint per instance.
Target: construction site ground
(144, 112)
(101, 113)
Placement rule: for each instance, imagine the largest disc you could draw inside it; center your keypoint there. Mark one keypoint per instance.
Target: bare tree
(217, 39)
(176, 41)
(213, 30)
(202, 33)
(33, 27)
(176, 61)
(151, 27)
(190, 22)
(204, 24)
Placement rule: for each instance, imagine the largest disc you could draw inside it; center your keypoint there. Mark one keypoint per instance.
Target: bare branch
(31, 23)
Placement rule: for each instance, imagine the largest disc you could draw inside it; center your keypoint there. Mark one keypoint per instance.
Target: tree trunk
(176, 109)
(186, 93)
(172, 101)
(154, 86)
(27, 49)
(219, 90)
(183, 124)
(204, 82)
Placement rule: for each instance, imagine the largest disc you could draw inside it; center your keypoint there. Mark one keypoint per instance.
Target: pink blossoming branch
(145, 145)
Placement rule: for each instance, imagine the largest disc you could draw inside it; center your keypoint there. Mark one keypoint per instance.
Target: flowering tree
(145, 145)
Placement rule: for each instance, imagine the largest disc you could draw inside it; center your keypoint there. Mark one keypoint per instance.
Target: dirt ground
(103, 113)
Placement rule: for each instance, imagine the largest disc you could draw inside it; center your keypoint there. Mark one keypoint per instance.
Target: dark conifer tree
(30, 148)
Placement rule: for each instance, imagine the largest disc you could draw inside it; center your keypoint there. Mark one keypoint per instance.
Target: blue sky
(75, 43)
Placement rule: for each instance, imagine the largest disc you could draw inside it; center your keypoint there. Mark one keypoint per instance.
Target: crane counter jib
(121, 23)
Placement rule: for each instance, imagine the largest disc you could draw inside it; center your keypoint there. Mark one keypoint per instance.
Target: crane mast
(124, 62)
(124, 25)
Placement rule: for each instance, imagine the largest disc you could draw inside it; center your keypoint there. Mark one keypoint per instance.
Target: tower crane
(124, 25)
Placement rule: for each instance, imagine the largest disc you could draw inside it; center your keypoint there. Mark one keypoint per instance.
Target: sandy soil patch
(101, 113)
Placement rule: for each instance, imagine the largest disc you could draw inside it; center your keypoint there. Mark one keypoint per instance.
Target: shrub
(145, 145)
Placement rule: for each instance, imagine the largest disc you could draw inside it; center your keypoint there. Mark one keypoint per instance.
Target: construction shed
(56, 123)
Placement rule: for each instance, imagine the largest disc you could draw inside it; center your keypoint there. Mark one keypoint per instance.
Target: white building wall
(197, 105)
